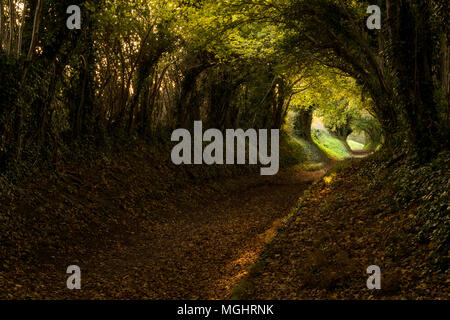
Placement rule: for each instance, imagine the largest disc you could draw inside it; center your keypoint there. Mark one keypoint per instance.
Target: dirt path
(195, 246)
(359, 153)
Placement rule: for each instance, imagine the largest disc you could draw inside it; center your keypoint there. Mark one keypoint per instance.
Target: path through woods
(194, 246)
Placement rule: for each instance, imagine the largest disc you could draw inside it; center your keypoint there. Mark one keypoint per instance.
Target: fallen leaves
(139, 231)
(340, 229)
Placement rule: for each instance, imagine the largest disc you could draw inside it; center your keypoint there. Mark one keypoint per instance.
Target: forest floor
(140, 228)
(131, 242)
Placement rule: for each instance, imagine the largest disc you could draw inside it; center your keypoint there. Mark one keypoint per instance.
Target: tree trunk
(34, 34)
(79, 112)
(1, 24)
(302, 123)
(21, 28)
(187, 100)
(413, 63)
(12, 18)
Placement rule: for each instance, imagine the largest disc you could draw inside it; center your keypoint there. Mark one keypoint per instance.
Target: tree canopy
(148, 66)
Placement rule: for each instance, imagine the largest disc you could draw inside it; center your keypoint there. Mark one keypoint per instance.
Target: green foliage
(372, 130)
(291, 152)
(336, 97)
(316, 158)
(331, 145)
(355, 145)
(427, 185)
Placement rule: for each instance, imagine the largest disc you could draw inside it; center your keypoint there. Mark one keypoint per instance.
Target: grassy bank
(329, 144)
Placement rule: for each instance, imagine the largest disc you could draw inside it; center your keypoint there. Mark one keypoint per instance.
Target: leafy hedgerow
(427, 186)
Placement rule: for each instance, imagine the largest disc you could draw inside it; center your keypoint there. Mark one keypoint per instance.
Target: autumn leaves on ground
(357, 216)
(141, 231)
(138, 229)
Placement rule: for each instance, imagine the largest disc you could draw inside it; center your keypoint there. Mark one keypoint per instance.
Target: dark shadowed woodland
(86, 177)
